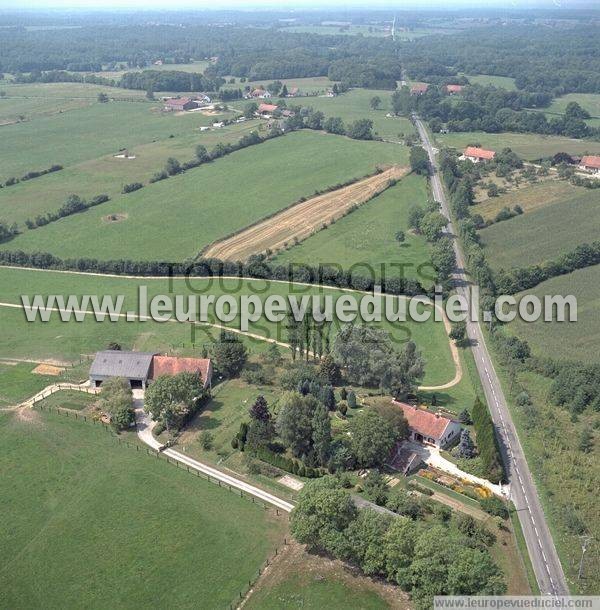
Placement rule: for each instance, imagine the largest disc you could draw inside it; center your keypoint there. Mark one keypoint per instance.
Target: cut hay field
(312, 84)
(530, 198)
(544, 234)
(87, 133)
(176, 218)
(107, 174)
(367, 236)
(302, 220)
(68, 340)
(89, 523)
(528, 145)
(503, 82)
(567, 340)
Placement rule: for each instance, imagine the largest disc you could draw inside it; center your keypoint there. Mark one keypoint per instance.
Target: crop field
(84, 524)
(354, 105)
(530, 198)
(67, 341)
(176, 218)
(107, 174)
(302, 220)
(543, 234)
(503, 82)
(568, 340)
(367, 236)
(529, 146)
(88, 133)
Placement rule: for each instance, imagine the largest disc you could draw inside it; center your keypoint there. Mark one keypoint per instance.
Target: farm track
(300, 221)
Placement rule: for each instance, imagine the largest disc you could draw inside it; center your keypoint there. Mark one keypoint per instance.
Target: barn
(134, 366)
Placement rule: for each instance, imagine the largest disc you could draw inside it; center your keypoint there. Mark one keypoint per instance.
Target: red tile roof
(172, 365)
(178, 101)
(479, 153)
(591, 161)
(267, 107)
(424, 422)
(419, 88)
(454, 88)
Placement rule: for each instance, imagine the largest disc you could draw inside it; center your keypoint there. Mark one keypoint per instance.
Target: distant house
(287, 113)
(590, 163)
(260, 93)
(419, 89)
(266, 109)
(453, 89)
(428, 427)
(173, 365)
(179, 103)
(218, 124)
(293, 92)
(476, 155)
(201, 99)
(141, 368)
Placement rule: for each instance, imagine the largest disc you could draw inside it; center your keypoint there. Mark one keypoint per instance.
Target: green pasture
(567, 340)
(176, 218)
(17, 382)
(107, 174)
(528, 145)
(543, 234)
(89, 523)
(503, 82)
(366, 237)
(68, 340)
(588, 101)
(88, 133)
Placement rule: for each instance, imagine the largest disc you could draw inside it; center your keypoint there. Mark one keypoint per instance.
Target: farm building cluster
(142, 368)
(181, 104)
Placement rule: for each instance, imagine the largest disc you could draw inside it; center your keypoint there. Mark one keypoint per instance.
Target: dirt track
(301, 220)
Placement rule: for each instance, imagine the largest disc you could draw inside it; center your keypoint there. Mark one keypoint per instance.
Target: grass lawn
(67, 340)
(69, 399)
(543, 234)
(89, 523)
(88, 133)
(568, 340)
(504, 82)
(530, 146)
(367, 236)
(530, 197)
(17, 382)
(174, 219)
(107, 174)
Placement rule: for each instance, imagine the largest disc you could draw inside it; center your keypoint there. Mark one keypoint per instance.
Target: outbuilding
(133, 366)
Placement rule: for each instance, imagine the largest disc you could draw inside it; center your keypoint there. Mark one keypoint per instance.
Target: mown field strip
(302, 220)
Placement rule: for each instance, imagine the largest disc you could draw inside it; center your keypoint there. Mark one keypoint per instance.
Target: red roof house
(173, 365)
(180, 103)
(590, 163)
(475, 154)
(266, 108)
(452, 89)
(419, 89)
(428, 427)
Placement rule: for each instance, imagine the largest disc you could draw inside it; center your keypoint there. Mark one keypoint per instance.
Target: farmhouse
(140, 368)
(590, 163)
(173, 365)
(419, 89)
(293, 92)
(259, 93)
(179, 103)
(476, 155)
(453, 89)
(266, 109)
(428, 427)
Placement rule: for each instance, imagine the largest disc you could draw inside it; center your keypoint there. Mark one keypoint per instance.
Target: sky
(287, 5)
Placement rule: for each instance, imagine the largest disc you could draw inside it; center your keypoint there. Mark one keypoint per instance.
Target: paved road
(547, 567)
